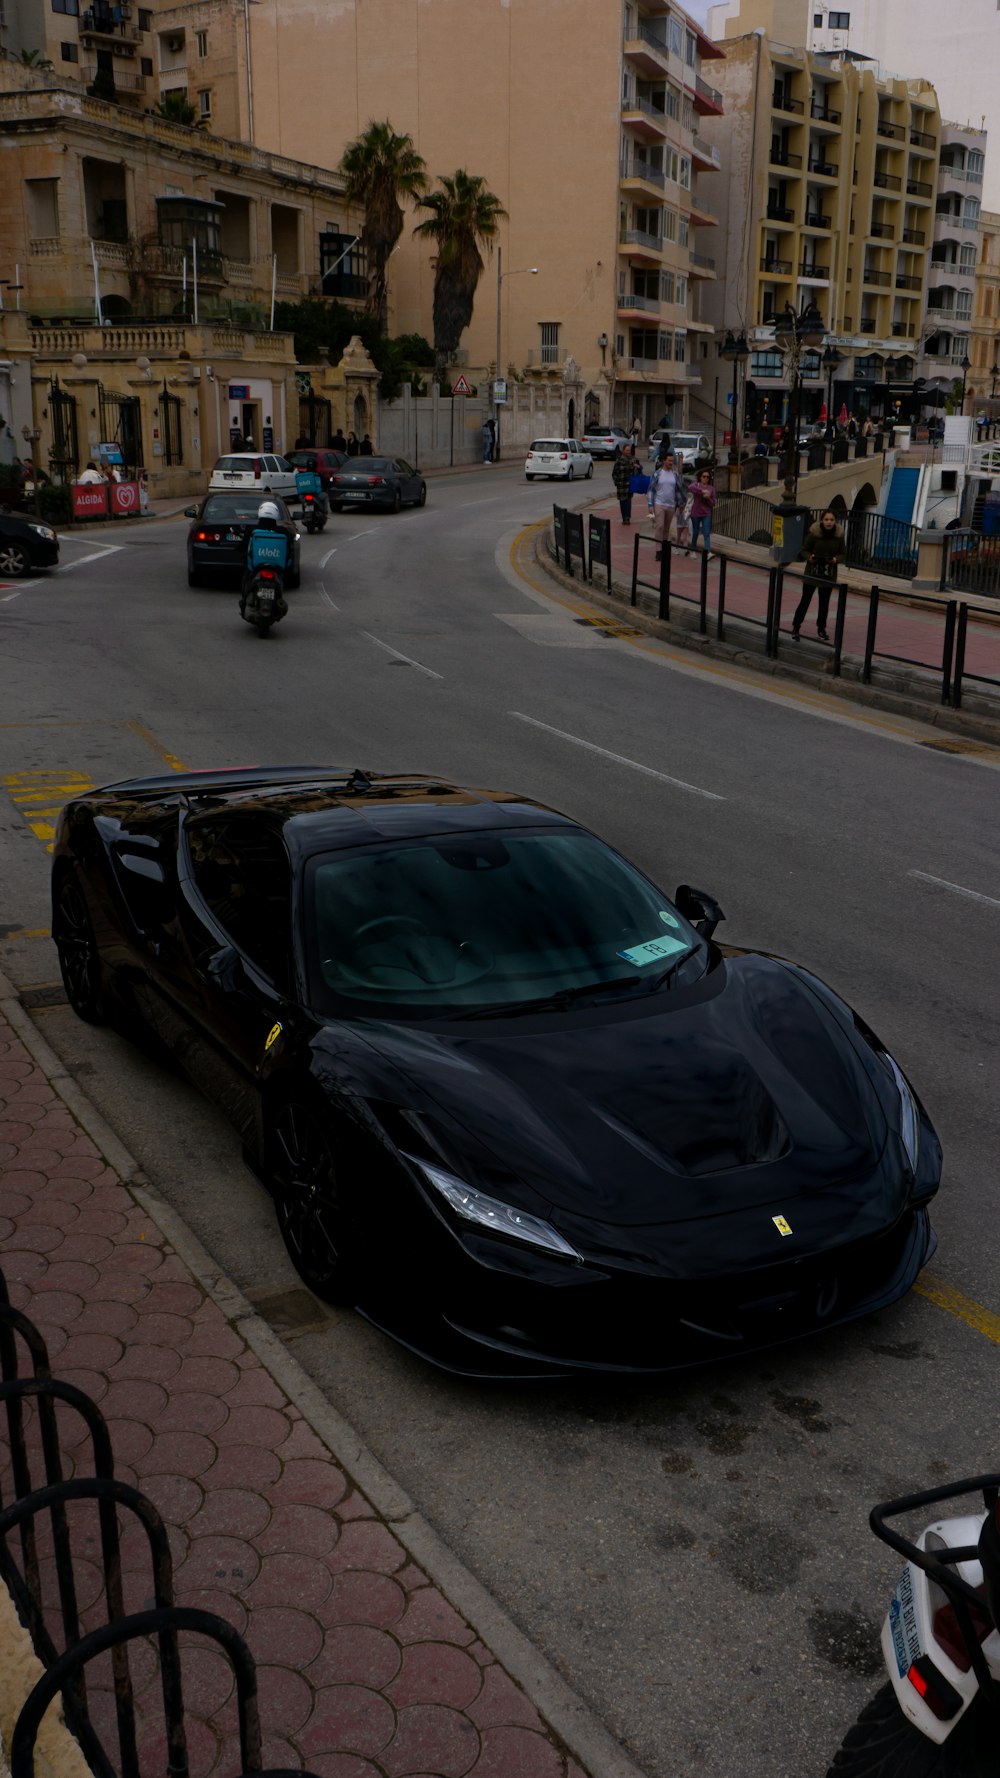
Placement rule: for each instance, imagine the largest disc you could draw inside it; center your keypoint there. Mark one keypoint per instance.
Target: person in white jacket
(666, 498)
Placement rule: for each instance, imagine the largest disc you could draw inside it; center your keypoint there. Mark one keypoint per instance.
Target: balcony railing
(894, 131)
(123, 78)
(866, 325)
(824, 113)
(905, 281)
(654, 38)
(920, 139)
(650, 365)
(919, 188)
(783, 157)
(704, 260)
(693, 371)
(629, 300)
(710, 94)
(706, 150)
(641, 169)
(779, 213)
(808, 269)
(883, 231)
(782, 101)
(826, 169)
(700, 208)
(882, 280)
(901, 330)
(816, 219)
(913, 237)
(637, 237)
(973, 175)
(99, 21)
(887, 181)
(776, 268)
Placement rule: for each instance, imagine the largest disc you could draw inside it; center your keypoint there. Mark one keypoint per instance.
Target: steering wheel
(393, 921)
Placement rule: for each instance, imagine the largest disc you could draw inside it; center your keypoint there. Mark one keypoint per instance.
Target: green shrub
(56, 504)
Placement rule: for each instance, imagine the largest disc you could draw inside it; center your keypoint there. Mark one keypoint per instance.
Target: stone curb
(584, 1736)
(897, 702)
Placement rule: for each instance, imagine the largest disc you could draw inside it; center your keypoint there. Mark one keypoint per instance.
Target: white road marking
(356, 534)
(325, 595)
(403, 657)
(16, 594)
(103, 549)
(324, 559)
(922, 876)
(619, 758)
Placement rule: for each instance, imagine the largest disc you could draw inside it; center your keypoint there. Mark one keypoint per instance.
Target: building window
(963, 305)
(145, 65)
(671, 163)
(967, 258)
(670, 225)
(201, 43)
(818, 19)
(145, 19)
(649, 221)
(69, 52)
(72, 7)
(683, 232)
(666, 287)
(685, 173)
(970, 212)
(676, 37)
(766, 364)
(680, 347)
(690, 48)
(839, 21)
(620, 337)
(811, 366)
(205, 102)
(672, 99)
(550, 341)
(974, 163)
(682, 288)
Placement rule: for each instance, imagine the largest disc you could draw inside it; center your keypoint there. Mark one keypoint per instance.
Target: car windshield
(686, 440)
(370, 466)
(238, 508)
(550, 444)
(470, 922)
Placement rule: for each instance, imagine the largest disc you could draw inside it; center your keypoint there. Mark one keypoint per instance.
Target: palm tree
(465, 214)
(381, 167)
(176, 107)
(33, 58)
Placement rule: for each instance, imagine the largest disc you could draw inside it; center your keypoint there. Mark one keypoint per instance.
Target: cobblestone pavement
(365, 1669)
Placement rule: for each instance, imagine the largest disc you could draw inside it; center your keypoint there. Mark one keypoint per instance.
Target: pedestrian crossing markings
(39, 797)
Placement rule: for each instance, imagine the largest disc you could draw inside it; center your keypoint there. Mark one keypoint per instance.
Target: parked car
(387, 482)
(605, 441)
(564, 458)
(25, 544)
(688, 447)
(510, 1099)
(217, 539)
(321, 460)
(259, 471)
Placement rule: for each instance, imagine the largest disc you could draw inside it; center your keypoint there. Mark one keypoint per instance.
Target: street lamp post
(994, 373)
(737, 353)
(794, 334)
(831, 360)
(501, 275)
(966, 366)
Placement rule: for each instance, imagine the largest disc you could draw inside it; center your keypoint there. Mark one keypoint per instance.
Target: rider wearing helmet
(268, 546)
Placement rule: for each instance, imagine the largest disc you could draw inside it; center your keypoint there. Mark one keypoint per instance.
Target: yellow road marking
(29, 932)
(964, 1308)
(718, 670)
(40, 795)
(147, 735)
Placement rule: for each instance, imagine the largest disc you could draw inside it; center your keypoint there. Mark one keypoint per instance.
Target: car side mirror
(699, 907)
(225, 969)
(190, 512)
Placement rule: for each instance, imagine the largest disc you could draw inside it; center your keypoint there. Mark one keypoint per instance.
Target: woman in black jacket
(823, 548)
(622, 470)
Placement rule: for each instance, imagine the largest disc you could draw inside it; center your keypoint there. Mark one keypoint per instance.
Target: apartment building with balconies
(984, 377)
(827, 197)
(948, 324)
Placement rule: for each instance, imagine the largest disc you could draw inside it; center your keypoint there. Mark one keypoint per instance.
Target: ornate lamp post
(994, 373)
(965, 367)
(795, 333)
(737, 353)
(830, 360)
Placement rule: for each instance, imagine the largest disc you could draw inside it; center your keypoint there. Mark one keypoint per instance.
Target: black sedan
(512, 1102)
(25, 544)
(217, 538)
(388, 482)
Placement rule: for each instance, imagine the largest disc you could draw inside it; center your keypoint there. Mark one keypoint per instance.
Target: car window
(242, 873)
(549, 444)
(404, 467)
(283, 463)
(231, 463)
(473, 920)
(304, 459)
(376, 465)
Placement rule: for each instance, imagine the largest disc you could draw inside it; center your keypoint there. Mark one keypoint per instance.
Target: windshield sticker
(669, 919)
(655, 950)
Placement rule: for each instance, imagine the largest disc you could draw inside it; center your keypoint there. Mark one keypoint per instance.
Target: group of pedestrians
(670, 501)
(351, 446)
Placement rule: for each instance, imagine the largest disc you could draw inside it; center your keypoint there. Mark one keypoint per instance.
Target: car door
(409, 478)
(234, 912)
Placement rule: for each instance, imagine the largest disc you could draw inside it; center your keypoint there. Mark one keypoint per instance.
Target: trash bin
(789, 532)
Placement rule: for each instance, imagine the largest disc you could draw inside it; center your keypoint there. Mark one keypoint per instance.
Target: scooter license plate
(265, 596)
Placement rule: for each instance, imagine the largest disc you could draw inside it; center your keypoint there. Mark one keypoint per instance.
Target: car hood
(741, 1090)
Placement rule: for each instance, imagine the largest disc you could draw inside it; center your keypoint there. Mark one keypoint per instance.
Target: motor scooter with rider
(312, 494)
(262, 599)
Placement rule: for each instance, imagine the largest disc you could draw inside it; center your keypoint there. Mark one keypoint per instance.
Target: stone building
(984, 351)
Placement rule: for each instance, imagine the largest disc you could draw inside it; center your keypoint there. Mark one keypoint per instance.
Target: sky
(698, 9)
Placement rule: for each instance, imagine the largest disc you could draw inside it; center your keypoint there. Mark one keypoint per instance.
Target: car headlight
(909, 1116)
(491, 1213)
(45, 531)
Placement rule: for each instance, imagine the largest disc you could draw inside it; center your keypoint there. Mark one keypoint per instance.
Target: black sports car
(217, 537)
(512, 1101)
(25, 544)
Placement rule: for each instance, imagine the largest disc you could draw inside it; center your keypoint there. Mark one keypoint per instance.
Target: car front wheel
(308, 1200)
(590, 471)
(76, 948)
(570, 473)
(14, 560)
(422, 496)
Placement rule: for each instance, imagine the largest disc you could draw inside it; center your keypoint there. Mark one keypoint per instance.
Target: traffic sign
(462, 387)
(499, 392)
(729, 397)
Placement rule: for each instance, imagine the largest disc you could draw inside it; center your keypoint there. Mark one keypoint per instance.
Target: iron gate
(121, 424)
(315, 419)
(170, 422)
(65, 444)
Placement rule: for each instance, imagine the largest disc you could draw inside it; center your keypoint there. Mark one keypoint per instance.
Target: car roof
(319, 810)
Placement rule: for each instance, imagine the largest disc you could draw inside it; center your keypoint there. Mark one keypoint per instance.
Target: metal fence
(872, 539)
(971, 563)
(48, 1550)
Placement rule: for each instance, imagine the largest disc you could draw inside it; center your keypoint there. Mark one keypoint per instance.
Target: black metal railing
(877, 541)
(972, 563)
(746, 518)
(40, 1518)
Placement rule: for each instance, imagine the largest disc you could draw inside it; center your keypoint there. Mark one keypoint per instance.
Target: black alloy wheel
(397, 500)
(422, 496)
(79, 962)
(14, 560)
(309, 1202)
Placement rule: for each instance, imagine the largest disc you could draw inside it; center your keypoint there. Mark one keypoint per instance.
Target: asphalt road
(693, 1555)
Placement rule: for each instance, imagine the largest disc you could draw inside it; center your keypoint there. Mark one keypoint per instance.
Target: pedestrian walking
(823, 548)
(666, 498)
(367, 449)
(622, 470)
(868, 429)
(338, 442)
(636, 431)
(489, 437)
(353, 445)
(702, 503)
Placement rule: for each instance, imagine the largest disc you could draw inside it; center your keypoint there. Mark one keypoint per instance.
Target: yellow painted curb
(57, 1753)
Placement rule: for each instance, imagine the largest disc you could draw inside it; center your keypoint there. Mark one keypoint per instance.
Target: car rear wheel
(14, 560)
(570, 473)
(309, 1202)
(590, 471)
(531, 478)
(422, 496)
(193, 578)
(397, 501)
(79, 961)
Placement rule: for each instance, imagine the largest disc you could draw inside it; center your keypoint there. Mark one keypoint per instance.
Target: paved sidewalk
(904, 630)
(365, 1668)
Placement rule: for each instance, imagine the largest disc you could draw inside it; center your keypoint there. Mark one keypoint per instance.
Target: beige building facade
(984, 351)
(827, 196)
(584, 116)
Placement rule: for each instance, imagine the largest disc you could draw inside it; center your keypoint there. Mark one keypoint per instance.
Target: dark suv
(321, 460)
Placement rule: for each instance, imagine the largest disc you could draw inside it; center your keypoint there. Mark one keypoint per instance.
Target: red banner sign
(124, 498)
(90, 500)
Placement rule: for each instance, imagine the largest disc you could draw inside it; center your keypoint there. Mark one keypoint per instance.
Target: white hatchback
(562, 457)
(258, 471)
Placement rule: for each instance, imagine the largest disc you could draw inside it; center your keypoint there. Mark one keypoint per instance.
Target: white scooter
(939, 1715)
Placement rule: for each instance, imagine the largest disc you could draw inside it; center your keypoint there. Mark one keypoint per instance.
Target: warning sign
(462, 387)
